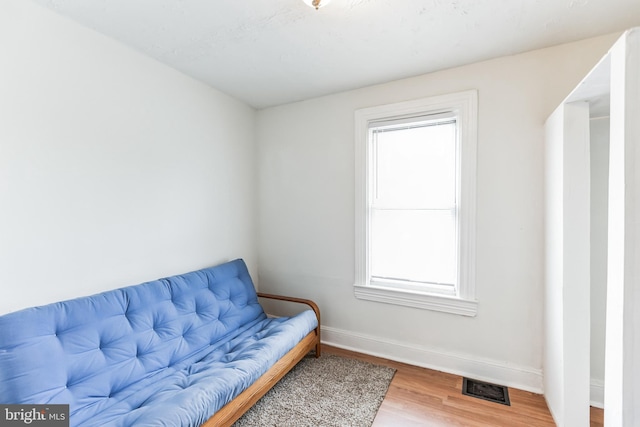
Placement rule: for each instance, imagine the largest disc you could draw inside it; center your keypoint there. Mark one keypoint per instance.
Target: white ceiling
(270, 52)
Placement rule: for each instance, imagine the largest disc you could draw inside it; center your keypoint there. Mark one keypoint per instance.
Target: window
(415, 203)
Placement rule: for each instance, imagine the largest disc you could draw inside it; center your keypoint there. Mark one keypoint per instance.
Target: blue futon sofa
(187, 350)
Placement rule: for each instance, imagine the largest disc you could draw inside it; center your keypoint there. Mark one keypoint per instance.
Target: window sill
(446, 304)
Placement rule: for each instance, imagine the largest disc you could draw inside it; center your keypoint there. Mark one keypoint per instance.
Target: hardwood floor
(597, 417)
(423, 397)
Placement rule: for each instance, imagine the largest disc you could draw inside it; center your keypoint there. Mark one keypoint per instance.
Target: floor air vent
(486, 391)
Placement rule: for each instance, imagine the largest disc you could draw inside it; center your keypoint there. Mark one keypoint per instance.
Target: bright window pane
(416, 167)
(413, 222)
(414, 245)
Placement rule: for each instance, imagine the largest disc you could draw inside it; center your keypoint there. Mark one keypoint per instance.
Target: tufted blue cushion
(167, 352)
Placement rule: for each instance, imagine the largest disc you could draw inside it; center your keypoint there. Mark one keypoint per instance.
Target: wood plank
(597, 417)
(424, 397)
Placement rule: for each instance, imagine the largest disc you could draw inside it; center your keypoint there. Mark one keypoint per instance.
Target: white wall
(567, 307)
(622, 371)
(306, 218)
(599, 198)
(114, 169)
(554, 331)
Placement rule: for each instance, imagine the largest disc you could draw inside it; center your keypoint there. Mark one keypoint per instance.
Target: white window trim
(465, 106)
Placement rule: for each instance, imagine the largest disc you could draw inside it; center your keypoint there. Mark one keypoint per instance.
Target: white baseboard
(454, 363)
(597, 393)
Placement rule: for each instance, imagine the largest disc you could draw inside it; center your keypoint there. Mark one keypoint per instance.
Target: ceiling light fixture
(317, 4)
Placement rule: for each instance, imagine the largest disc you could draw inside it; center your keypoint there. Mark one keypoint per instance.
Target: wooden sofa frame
(233, 410)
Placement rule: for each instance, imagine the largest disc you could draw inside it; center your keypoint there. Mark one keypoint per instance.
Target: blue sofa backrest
(86, 350)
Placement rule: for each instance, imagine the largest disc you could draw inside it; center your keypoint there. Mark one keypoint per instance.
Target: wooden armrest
(308, 302)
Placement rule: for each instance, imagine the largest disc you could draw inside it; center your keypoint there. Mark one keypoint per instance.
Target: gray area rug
(329, 391)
